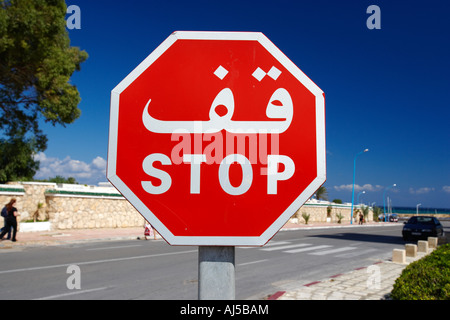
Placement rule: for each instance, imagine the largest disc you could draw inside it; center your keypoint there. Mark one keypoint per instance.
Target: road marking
(118, 247)
(276, 243)
(270, 244)
(71, 293)
(322, 253)
(357, 253)
(286, 247)
(247, 263)
(96, 261)
(307, 249)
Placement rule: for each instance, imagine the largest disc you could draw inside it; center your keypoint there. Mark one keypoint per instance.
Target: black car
(422, 227)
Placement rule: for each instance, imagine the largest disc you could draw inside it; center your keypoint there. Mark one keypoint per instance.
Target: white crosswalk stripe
(332, 251)
(270, 244)
(307, 249)
(286, 247)
(357, 253)
(276, 243)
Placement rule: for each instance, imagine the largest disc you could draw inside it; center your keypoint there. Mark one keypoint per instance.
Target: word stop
(195, 161)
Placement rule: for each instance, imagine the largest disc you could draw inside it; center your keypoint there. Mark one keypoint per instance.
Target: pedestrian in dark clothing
(11, 220)
(4, 215)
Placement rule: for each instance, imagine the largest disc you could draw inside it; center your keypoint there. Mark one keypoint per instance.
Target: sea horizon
(422, 210)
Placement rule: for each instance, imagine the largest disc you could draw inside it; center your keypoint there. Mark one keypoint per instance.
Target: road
(139, 269)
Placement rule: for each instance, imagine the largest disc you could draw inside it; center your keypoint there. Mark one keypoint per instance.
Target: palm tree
(365, 212)
(376, 212)
(322, 193)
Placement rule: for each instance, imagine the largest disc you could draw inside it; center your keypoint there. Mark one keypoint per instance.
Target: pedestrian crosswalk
(317, 250)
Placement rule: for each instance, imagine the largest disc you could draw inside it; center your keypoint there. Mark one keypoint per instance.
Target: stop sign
(217, 138)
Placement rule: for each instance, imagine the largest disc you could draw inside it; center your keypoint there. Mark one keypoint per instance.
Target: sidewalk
(58, 237)
(374, 282)
(368, 283)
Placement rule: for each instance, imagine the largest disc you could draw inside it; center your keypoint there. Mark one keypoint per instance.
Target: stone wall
(7, 192)
(30, 198)
(87, 212)
(33, 204)
(318, 212)
(70, 206)
(79, 207)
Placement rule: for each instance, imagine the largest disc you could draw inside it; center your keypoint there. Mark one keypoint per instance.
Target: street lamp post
(357, 197)
(353, 188)
(384, 200)
(417, 208)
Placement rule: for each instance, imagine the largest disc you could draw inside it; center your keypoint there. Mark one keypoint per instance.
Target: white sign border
(218, 241)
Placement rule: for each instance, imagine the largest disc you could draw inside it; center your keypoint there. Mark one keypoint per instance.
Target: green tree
(15, 160)
(322, 193)
(36, 63)
(59, 179)
(376, 212)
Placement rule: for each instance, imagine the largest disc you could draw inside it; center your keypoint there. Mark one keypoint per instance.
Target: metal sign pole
(216, 269)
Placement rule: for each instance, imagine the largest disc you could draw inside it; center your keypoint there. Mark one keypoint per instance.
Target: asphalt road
(139, 269)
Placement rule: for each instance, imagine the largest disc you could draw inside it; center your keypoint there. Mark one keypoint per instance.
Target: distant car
(390, 217)
(393, 218)
(422, 227)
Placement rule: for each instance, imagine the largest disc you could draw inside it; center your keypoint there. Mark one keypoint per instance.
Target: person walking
(4, 215)
(11, 220)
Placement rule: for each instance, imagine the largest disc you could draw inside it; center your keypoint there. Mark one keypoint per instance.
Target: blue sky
(386, 89)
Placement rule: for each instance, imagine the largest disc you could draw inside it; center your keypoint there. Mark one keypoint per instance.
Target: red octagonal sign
(217, 138)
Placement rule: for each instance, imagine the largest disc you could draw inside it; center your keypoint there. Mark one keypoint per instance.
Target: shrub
(425, 279)
(329, 209)
(306, 217)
